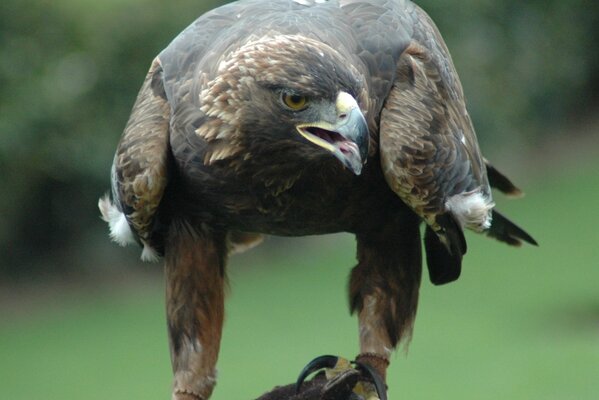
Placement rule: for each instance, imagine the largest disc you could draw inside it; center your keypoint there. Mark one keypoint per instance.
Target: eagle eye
(294, 101)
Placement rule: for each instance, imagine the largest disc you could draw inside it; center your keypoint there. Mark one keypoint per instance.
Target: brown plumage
(294, 118)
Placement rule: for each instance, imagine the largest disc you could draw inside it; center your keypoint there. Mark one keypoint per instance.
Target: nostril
(342, 116)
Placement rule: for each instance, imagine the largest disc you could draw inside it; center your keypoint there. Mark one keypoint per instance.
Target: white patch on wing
(471, 209)
(120, 231)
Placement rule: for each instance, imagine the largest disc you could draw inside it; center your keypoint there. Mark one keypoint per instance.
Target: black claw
(317, 364)
(379, 384)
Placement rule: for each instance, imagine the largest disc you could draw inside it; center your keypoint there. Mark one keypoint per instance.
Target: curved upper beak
(346, 138)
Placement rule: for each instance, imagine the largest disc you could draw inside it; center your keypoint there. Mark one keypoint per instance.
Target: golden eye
(295, 102)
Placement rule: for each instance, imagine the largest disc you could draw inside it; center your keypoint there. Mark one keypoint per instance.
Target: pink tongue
(347, 147)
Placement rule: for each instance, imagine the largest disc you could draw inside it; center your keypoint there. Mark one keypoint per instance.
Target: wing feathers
(140, 171)
(501, 182)
(506, 231)
(429, 151)
(431, 159)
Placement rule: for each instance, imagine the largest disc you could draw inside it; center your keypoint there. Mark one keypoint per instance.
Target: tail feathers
(506, 231)
(502, 182)
(444, 250)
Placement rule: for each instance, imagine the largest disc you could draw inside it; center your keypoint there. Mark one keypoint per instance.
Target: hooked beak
(346, 138)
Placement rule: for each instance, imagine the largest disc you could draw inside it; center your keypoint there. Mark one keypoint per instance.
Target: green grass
(519, 324)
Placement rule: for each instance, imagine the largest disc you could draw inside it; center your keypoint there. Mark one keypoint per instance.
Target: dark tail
(444, 250)
(444, 256)
(506, 231)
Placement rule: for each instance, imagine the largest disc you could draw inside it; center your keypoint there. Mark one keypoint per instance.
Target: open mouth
(330, 140)
(325, 134)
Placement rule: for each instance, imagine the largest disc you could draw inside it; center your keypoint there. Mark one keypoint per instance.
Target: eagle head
(290, 94)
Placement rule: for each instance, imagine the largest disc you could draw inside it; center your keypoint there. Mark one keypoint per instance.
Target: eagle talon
(370, 372)
(316, 364)
(340, 377)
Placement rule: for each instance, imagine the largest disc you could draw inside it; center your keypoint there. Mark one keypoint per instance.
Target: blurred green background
(82, 318)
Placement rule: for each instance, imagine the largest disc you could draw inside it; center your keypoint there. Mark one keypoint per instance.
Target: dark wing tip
(506, 231)
(502, 182)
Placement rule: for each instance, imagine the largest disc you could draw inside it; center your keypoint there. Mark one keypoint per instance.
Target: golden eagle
(302, 117)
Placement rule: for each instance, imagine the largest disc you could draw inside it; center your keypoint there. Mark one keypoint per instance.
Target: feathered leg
(384, 289)
(195, 263)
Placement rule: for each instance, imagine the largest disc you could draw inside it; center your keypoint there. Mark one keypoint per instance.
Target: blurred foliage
(528, 67)
(70, 70)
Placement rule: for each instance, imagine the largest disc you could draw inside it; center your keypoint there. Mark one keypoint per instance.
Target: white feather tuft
(238, 242)
(120, 231)
(471, 209)
(149, 254)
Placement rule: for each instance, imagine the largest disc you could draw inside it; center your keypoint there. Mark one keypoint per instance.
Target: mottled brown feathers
(195, 283)
(140, 163)
(234, 91)
(428, 147)
(386, 282)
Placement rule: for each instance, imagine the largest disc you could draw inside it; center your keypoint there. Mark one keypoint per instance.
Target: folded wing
(430, 155)
(140, 168)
